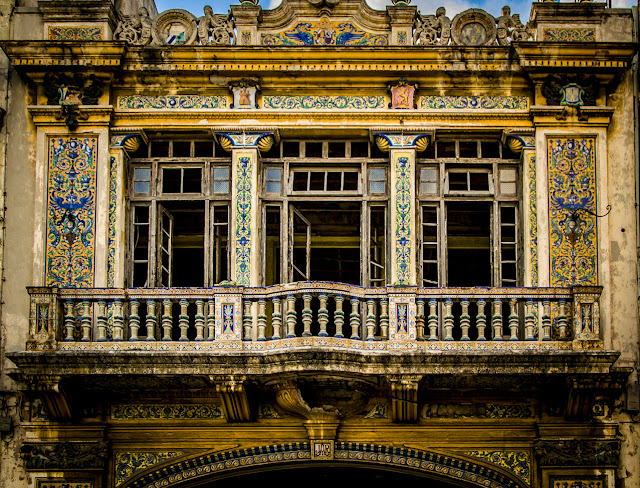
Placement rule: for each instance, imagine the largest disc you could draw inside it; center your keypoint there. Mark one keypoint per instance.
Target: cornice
(574, 56)
(40, 55)
(89, 115)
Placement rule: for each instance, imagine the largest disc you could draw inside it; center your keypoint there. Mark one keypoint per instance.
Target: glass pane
(337, 150)
(428, 188)
(192, 180)
(376, 186)
(429, 253)
(429, 215)
(429, 174)
(334, 181)
(479, 181)
(508, 233)
(171, 180)
(273, 187)
(508, 215)
(220, 173)
(316, 181)
(508, 253)
(313, 149)
(446, 149)
(160, 149)
(203, 149)
(508, 188)
(468, 149)
(142, 174)
(377, 174)
(291, 149)
(273, 174)
(141, 187)
(458, 182)
(508, 174)
(359, 149)
(490, 149)
(350, 181)
(139, 274)
(300, 180)
(221, 187)
(181, 149)
(509, 272)
(142, 215)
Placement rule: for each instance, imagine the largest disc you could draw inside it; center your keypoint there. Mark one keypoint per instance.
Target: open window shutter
(165, 248)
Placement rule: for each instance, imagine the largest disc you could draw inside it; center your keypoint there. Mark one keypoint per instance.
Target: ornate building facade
(319, 242)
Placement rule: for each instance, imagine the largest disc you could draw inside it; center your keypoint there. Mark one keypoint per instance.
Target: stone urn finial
(401, 3)
(249, 2)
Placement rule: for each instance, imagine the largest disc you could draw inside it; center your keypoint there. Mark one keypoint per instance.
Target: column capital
(519, 139)
(262, 140)
(402, 140)
(128, 139)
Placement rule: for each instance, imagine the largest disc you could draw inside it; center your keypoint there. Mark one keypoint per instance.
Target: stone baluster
(101, 321)
(465, 319)
(167, 319)
(262, 319)
(134, 319)
(513, 319)
(85, 321)
(118, 320)
(211, 319)
(496, 320)
(354, 318)
(276, 319)
(247, 321)
(546, 320)
(481, 319)
(384, 318)
(433, 319)
(291, 316)
(306, 315)
(420, 319)
(323, 315)
(529, 321)
(448, 320)
(69, 320)
(562, 319)
(338, 315)
(183, 320)
(371, 319)
(199, 320)
(152, 319)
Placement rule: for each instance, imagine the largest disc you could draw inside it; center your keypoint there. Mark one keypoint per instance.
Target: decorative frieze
(166, 102)
(166, 412)
(311, 102)
(578, 452)
(59, 33)
(64, 484)
(490, 411)
(71, 211)
(64, 456)
(569, 34)
(324, 33)
(474, 103)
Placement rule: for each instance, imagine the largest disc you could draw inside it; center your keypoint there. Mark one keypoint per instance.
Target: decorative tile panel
(403, 207)
(517, 462)
(471, 102)
(228, 318)
(71, 211)
(323, 102)
(75, 34)
(129, 463)
(578, 483)
(568, 34)
(324, 33)
(64, 484)
(166, 412)
(572, 200)
(111, 242)
(164, 102)
(533, 219)
(243, 221)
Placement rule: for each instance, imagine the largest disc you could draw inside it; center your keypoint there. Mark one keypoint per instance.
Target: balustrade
(315, 310)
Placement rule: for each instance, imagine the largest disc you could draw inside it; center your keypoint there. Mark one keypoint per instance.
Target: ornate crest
(245, 94)
(403, 94)
(571, 95)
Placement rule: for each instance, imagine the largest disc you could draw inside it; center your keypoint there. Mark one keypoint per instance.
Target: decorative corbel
(54, 399)
(232, 391)
(404, 398)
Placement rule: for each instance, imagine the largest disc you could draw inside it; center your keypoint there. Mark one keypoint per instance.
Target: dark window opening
(468, 243)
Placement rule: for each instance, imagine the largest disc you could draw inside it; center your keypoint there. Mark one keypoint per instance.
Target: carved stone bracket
(404, 398)
(233, 393)
(52, 395)
(593, 396)
(577, 452)
(64, 456)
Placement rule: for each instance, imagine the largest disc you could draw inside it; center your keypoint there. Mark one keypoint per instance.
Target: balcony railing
(318, 314)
